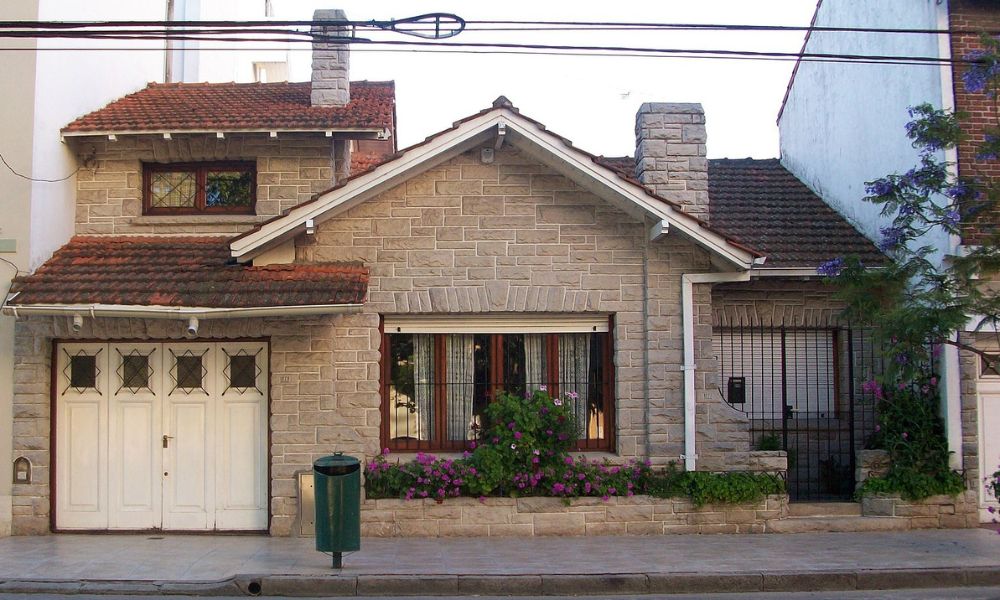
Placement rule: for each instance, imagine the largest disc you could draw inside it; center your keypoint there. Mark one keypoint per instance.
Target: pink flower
(517, 435)
(542, 388)
(557, 401)
(385, 452)
(568, 460)
(906, 436)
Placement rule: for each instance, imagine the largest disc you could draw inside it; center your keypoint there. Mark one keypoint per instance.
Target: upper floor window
(195, 188)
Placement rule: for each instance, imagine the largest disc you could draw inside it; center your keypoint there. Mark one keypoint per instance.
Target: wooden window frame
(496, 385)
(200, 171)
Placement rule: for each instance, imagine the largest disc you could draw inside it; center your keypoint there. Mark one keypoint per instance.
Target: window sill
(199, 219)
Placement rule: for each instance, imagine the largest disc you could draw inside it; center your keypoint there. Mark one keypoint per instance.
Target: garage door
(161, 436)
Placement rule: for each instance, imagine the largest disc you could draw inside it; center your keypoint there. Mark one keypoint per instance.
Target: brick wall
(974, 15)
(290, 169)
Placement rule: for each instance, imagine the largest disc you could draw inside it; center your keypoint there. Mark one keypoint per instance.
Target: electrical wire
(29, 178)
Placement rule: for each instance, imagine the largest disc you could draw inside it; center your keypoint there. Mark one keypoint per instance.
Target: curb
(527, 585)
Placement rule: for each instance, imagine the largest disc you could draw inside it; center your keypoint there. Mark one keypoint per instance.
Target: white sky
(590, 100)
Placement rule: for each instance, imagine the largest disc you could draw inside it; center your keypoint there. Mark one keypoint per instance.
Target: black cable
(11, 169)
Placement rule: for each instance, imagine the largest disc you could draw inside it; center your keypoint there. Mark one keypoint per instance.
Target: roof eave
(175, 312)
(369, 132)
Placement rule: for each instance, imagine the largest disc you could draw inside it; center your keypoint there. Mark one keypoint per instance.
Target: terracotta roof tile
(762, 204)
(239, 106)
(187, 271)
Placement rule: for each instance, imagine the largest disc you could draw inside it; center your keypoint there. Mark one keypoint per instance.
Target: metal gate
(801, 389)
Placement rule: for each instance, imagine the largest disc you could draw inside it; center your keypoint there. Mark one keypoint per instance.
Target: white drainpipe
(687, 315)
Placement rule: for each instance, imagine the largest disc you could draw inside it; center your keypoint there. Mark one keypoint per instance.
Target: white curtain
(534, 362)
(423, 383)
(460, 357)
(574, 375)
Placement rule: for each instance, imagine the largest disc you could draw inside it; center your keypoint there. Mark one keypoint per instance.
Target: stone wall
(515, 237)
(323, 396)
(526, 517)
(290, 169)
(936, 512)
(773, 302)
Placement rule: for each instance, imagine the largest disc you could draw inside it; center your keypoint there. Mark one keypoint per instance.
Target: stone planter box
(537, 516)
(936, 512)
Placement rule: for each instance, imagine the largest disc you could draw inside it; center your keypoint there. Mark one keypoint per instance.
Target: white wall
(843, 124)
(222, 61)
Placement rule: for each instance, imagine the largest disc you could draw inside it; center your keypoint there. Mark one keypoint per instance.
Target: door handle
(166, 440)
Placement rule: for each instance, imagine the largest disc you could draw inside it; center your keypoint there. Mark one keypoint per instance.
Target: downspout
(688, 280)
(951, 388)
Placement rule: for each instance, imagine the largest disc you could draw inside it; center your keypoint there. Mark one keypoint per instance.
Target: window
(193, 188)
(436, 385)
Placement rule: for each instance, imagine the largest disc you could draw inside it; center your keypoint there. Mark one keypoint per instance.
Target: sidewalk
(214, 565)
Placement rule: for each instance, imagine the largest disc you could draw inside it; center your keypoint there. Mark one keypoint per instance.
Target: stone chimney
(331, 84)
(670, 154)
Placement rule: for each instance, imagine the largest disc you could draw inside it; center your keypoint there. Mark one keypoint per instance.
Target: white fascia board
(367, 131)
(176, 312)
(587, 172)
(356, 191)
(786, 272)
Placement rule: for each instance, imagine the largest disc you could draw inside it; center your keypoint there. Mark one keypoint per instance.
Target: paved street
(992, 593)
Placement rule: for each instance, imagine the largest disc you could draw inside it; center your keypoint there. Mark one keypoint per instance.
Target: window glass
(83, 371)
(473, 368)
(243, 371)
(189, 372)
(172, 189)
(135, 371)
(228, 188)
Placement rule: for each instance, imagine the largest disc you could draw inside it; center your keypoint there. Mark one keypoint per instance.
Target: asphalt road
(992, 593)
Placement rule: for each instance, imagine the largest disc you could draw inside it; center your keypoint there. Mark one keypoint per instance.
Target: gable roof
(501, 122)
(189, 272)
(200, 107)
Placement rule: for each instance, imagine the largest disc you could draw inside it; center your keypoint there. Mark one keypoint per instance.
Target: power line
(29, 178)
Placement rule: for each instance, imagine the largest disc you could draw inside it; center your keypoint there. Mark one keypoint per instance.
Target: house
(259, 278)
(857, 114)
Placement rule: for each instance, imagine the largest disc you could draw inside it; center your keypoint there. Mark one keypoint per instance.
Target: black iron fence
(802, 389)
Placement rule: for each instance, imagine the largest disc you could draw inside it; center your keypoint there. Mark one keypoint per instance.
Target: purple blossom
(891, 238)
(879, 187)
(831, 268)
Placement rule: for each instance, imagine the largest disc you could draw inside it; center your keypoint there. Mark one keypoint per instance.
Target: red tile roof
(178, 107)
(181, 271)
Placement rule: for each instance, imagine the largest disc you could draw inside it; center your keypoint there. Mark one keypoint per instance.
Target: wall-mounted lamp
(77, 323)
(310, 226)
(22, 470)
(192, 328)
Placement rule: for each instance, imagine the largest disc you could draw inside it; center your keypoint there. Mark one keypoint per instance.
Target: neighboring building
(48, 83)
(251, 289)
(842, 124)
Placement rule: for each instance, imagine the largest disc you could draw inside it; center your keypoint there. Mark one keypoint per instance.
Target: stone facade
(772, 303)
(290, 169)
(331, 84)
(516, 237)
(527, 517)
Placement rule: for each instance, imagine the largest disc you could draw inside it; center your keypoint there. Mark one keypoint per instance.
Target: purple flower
(906, 436)
(568, 460)
(385, 452)
(891, 237)
(831, 268)
(952, 217)
(879, 187)
(517, 435)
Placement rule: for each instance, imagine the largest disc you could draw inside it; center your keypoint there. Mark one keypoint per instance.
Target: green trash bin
(337, 484)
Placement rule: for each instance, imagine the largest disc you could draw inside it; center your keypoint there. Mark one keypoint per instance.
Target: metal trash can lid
(337, 464)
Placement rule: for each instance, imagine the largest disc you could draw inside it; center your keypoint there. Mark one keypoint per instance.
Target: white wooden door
(170, 436)
(135, 454)
(81, 436)
(241, 438)
(989, 443)
(189, 427)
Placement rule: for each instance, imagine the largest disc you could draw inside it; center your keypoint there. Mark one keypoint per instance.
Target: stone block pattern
(768, 303)
(323, 397)
(516, 237)
(936, 512)
(290, 170)
(970, 369)
(527, 517)
(670, 154)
